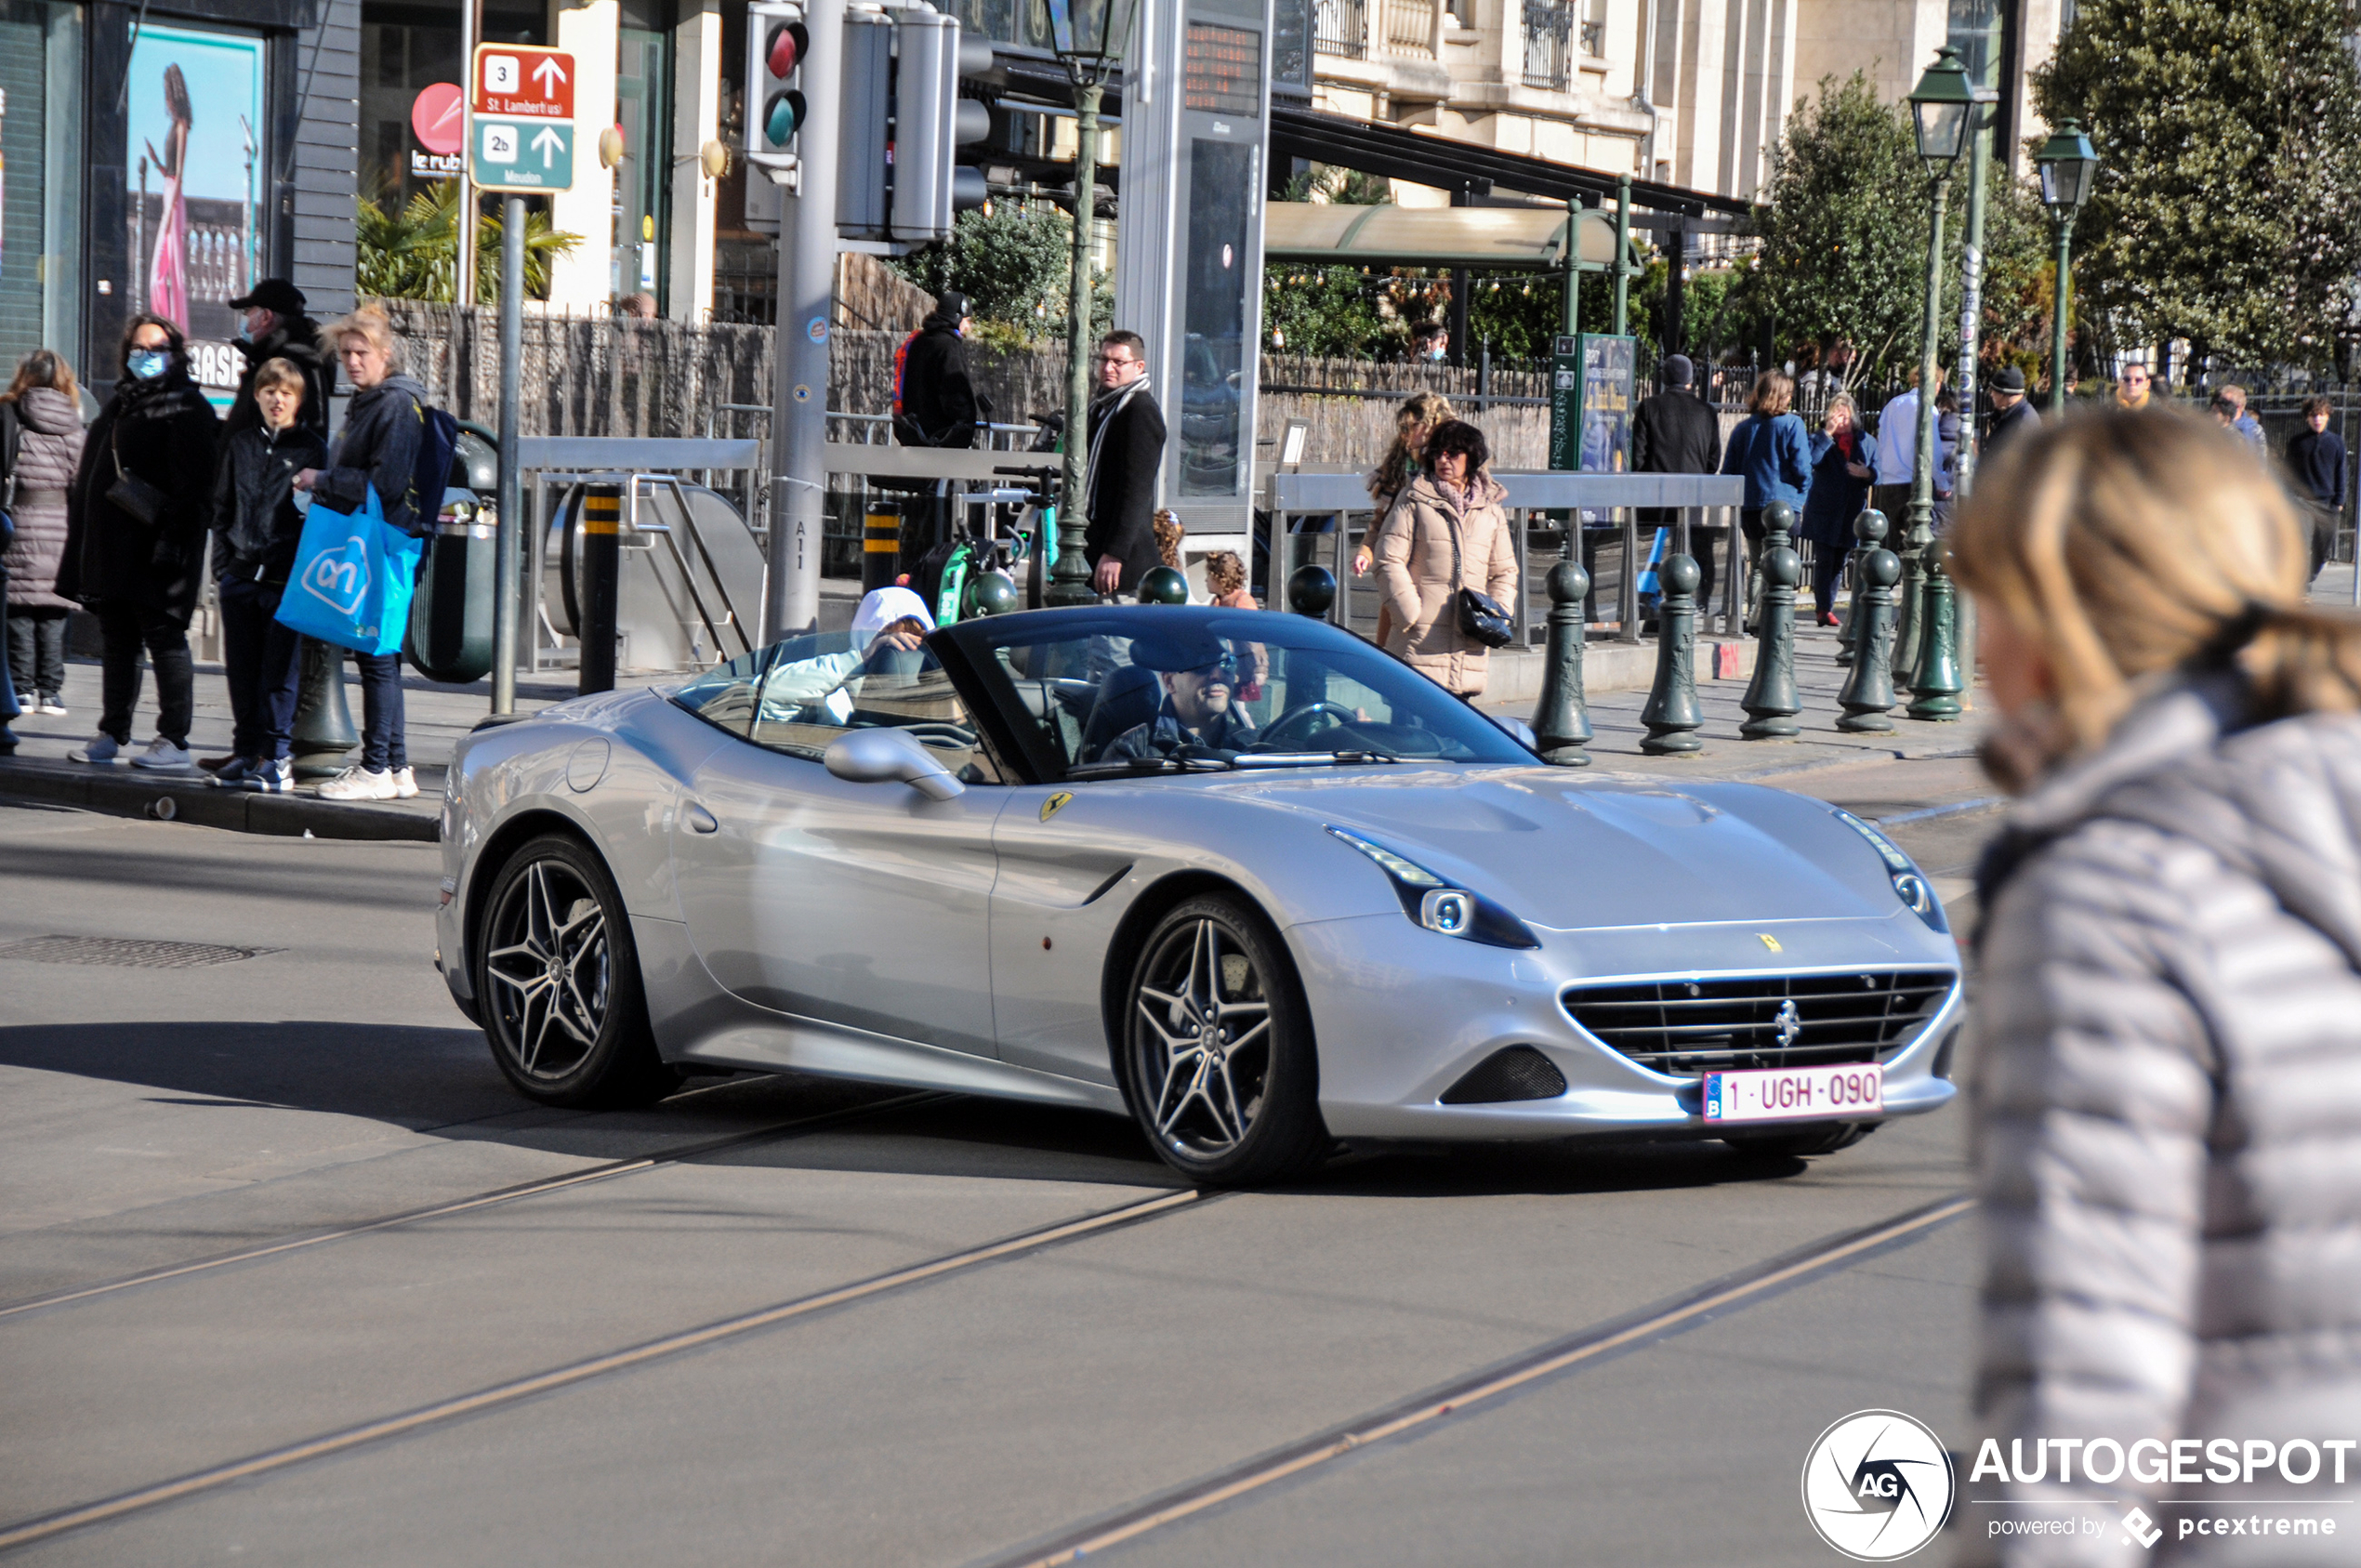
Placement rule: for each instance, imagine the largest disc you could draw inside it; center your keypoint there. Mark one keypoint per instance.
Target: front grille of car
(1719, 1022)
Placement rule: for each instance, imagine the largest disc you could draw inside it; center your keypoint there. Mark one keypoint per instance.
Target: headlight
(1909, 885)
(1439, 906)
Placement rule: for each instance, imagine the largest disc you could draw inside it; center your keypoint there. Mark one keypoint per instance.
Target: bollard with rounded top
(1311, 591)
(1868, 532)
(1671, 715)
(1163, 585)
(1562, 718)
(323, 731)
(1870, 691)
(993, 594)
(1771, 701)
(1906, 605)
(1935, 685)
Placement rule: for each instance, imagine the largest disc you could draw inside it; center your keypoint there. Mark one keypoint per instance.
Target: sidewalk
(439, 714)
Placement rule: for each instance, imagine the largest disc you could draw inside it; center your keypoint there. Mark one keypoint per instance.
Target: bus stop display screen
(1225, 70)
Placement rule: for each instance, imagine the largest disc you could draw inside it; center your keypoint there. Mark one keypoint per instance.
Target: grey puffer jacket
(49, 451)
(2167, 1093)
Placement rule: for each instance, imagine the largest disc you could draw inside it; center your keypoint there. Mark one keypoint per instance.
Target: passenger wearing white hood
(887, 632)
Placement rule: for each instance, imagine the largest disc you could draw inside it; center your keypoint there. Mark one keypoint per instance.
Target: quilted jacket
(2166, 1094)
(1414, 572)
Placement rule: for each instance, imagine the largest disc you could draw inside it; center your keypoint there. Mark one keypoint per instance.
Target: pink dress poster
(198, 229)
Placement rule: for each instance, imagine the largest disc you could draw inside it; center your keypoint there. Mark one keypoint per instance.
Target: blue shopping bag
(1652, 591)
(352, 580)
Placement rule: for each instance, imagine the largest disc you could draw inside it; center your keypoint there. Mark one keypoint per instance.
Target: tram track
(301, 1241)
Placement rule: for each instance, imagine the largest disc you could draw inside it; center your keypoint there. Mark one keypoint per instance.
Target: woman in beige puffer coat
(2164, 1071)
(1414, 556)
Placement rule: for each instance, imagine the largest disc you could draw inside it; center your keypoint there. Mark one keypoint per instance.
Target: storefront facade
(165, 161)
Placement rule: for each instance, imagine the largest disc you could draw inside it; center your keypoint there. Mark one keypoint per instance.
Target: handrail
(688, 572)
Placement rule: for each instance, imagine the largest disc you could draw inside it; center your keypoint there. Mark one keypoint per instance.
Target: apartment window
(1549, 43)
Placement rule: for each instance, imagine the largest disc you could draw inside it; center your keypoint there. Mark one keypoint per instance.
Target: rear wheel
(558, 982)
(1803, 1140)
(1217, 1051)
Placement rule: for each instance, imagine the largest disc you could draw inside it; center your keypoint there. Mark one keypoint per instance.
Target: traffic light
(931, 123)
(775, 45)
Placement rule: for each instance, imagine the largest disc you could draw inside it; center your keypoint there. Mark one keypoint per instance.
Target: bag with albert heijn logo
(352, 580)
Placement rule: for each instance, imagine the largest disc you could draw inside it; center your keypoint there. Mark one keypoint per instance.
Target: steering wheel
(1341, 715)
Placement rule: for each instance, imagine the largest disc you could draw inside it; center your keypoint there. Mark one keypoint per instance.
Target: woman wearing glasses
(1447, 532)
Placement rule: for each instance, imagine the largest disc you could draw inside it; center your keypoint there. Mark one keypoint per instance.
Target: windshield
(799, 696)
(1147, 689)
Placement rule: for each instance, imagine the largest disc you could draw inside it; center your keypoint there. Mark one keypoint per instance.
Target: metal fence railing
(1340, 27)
(1549, 43)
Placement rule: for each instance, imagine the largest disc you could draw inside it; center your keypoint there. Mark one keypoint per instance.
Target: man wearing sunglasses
(2132, 390)
(1199, 711)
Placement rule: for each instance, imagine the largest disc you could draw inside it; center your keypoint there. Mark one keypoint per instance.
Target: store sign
(439, 118)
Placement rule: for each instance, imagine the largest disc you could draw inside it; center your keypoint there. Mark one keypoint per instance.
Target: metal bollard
(1906, 606)
(1771, 701)
(1311, 591)
(1867, 536)
(1163, 585)
(1562, 718)
(1935, 685)
(1671, 715)
(323, 731)
(1869, 692)
(880, 549)
(602, 568)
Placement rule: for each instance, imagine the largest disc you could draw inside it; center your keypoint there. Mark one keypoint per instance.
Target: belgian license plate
(1787, 1094)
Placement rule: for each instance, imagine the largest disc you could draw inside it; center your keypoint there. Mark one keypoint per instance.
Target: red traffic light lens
(781, 116)
(787, 49)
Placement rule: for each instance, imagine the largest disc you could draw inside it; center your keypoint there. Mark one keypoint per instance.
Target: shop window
(41, 201)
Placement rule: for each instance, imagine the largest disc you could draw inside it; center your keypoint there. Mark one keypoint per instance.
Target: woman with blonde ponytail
(2166, 1069)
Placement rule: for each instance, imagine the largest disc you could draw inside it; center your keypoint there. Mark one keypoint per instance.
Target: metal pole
(807, 302)
(1622, 254)
(1574, 268)
(2058, 302)
(462, 268)
(1921, 523)
(509, 534)
(1070, 577)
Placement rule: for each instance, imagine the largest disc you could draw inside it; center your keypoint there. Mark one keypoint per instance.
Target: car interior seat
(1128, 697)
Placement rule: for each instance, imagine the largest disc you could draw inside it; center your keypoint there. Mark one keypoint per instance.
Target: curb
(117, 791)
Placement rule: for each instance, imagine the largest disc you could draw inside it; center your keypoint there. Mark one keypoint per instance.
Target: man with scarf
(1127, 453)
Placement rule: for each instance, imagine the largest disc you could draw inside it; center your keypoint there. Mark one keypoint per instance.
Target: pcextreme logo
(1877, 1485)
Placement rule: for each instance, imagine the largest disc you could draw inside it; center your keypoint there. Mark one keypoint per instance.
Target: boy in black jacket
(257, 527)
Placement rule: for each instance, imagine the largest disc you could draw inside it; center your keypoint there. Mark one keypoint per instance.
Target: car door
(862, 904)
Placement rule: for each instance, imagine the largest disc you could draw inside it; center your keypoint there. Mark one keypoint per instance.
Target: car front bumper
(1402, 1014)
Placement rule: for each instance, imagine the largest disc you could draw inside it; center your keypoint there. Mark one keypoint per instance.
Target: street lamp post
(1090, 36)
(1942, 110)
(2069, 167)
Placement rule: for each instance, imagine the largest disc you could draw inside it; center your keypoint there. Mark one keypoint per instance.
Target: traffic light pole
(806, 311)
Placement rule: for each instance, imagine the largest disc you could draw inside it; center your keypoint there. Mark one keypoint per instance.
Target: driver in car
(1200, 712)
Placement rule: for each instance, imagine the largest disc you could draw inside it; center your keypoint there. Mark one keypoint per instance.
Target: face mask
(149, 364)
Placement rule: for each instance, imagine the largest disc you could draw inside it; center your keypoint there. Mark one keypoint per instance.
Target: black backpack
(430, 475)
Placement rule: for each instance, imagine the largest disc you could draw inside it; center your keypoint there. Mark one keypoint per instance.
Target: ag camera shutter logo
(1877, 1485)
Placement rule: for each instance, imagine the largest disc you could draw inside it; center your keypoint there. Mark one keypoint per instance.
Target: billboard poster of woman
(198, 178)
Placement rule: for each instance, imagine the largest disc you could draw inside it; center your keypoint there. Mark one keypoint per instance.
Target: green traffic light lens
(780, 118)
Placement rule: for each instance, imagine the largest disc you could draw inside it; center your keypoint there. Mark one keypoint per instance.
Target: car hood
(1568, 852)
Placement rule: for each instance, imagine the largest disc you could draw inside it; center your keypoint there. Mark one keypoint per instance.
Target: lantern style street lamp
(2069, 167)
(1089, 37)
(1943, 110)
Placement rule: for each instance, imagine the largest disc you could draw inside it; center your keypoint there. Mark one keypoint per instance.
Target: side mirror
(890, 756)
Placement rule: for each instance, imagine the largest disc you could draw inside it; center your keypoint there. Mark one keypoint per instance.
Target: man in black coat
(934, 402)
(1127, 454)
(277, 328)
(2012, 416)
(1675, 432)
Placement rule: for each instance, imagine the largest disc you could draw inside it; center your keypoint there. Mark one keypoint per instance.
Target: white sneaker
(405, 784)
(98, 749)
(52, 708)
(357, 783)
(162, 755)
(270, 777)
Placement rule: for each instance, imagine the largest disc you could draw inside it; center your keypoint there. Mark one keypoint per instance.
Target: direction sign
(521, 82)
(519, 154)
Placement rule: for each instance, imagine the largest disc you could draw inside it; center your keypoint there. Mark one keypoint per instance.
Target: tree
(1013, 263)
(413, 253)
(2228, 203)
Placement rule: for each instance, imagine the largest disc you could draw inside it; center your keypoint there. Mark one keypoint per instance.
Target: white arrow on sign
(546, 71)
(548, 144)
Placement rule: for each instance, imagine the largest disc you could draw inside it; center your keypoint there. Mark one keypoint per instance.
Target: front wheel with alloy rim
(558, 982)
(1219, 1063)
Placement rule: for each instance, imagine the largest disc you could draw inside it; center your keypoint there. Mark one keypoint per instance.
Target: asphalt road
(889, 1393)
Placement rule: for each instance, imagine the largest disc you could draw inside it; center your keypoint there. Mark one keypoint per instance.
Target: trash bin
(449, 637)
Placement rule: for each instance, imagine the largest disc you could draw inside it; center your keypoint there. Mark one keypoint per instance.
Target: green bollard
(1866, 537)
(1163, 585)
(1671, 715)
(323, 731)
(1869, 692)
(1771, 701)
(1311, 591)
(989, 593)
(1935, 686)
(1562, 718)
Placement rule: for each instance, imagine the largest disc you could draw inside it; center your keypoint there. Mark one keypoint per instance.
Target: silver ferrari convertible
(1237, 873)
